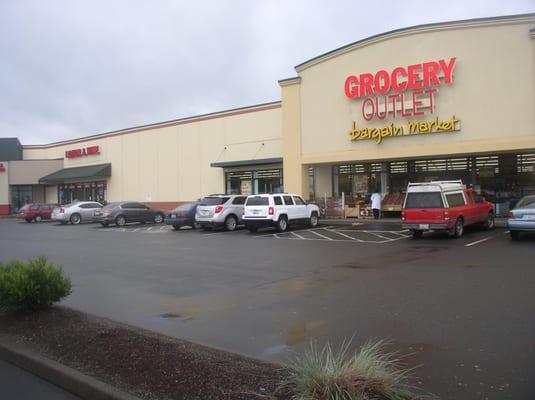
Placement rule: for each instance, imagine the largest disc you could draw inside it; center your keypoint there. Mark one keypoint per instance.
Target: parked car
(522, 217)
(76, 213)
(183, 215)
(129, 211)
(35, 212)
(446, 206)
(220, 210)
(279, 211)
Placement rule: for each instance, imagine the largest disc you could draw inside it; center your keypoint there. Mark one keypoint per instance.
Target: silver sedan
(75, 213)
(522, 217)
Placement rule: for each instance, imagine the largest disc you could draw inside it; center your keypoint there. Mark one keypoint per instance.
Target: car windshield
(257, 201)
(526, 202)
(424, 200)
(184, 207)
(25, 207)
(213, 201)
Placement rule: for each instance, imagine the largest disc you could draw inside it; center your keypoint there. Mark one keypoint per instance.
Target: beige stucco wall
(172, 162)
(28, 172)
(493, 93)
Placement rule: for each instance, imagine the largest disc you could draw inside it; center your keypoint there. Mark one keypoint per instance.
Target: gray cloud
(73, 68)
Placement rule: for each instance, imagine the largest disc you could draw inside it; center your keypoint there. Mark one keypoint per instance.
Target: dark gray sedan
(522, 217)
(128, 211)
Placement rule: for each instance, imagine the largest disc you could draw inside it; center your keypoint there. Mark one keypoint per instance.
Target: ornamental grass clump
(32, 285)
(370, 374)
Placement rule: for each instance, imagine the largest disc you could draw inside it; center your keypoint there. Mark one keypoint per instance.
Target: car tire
(313, 221)
(230, 223)
(489, 222)
(75, 219)
(252, 229)
(120, 220)
(176, 227)
(158, 218)
(515, 235)
(282, 224)
(38, 218)
(196, 225)
(458, 229)
(104, 224)
(417, 234)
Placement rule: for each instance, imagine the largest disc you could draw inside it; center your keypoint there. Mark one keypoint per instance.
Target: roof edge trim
(290, 81)
(245, 163)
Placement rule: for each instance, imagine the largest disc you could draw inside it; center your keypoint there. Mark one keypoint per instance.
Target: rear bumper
(520, 225)
(179, 221)
(427, 227)
(258, 223)
(59, 217)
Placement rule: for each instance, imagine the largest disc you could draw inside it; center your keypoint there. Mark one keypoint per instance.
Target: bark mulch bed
(144, 363)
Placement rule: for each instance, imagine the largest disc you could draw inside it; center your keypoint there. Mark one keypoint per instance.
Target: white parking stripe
(299, 236)
(319, 234)
(478, 241)
(135, 230)
(379, 236)
(148, 229)
(347, 236)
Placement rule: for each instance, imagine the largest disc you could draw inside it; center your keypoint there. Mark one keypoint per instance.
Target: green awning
(88, 172)
(247, 163)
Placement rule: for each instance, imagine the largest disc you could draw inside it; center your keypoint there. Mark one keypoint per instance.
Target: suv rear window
(258, 201)
(213, 201)
(424, 200)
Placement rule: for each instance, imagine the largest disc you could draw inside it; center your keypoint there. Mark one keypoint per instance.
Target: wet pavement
(465, 308)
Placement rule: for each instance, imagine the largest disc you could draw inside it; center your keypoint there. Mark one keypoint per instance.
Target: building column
(324, 180)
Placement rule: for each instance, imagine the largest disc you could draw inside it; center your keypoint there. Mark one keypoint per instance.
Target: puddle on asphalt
(306, 283)
(304, 331)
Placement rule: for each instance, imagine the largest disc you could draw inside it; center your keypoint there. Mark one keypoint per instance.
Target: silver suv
(75, 213)
(220, 210)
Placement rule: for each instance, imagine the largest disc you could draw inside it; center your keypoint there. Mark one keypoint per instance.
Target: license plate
(256, 212)
(423, 226)
(173, 215)
(531, 217)
(204, 212)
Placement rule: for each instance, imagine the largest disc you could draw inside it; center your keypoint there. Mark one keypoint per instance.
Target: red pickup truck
(446, 206)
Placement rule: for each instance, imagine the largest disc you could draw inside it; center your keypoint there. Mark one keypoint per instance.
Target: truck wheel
(458, 229)
(282, 224)
(313, 222)
(230, 223)
(489, 222)
(514, 235)
(76, 219)
(417, 234)
(38, 218)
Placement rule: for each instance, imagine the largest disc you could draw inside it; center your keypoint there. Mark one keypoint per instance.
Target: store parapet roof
(90, 171)
(246, 163)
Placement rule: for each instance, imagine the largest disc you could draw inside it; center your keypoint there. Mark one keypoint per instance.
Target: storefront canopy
(247, 163)
(88, 172)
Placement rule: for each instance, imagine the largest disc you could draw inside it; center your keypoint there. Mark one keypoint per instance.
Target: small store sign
(84, 151)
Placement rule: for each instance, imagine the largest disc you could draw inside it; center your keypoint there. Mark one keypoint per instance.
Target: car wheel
(76, 219)
(515, 235)
(313, 221)
(120, 220)
(104, 224)
(38, 218)
(489, 222)
(176, 227)
(282, 224)
(158, 218)
(230, 223)
(458, 229)
(417, 234)
(196, 225)
(252, 229)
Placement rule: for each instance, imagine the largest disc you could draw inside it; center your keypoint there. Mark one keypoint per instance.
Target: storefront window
(254, 182)
(20, 195)
(85, 191)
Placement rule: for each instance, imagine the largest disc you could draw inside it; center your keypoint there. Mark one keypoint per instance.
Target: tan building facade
(443, 101)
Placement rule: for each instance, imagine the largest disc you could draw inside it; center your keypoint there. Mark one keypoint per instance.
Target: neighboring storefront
(443, 101)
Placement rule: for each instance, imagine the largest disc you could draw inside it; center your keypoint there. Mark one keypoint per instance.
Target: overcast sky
(74, 68)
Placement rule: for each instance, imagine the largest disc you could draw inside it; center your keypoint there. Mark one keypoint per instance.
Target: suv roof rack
(444, 185)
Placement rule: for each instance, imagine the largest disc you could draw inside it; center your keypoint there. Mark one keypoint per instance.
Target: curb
(60, 375)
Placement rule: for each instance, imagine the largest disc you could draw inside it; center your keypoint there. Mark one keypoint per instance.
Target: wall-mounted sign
(411, 128)
(384, 93)
(2, 167)
(246, 187)
(84, 151)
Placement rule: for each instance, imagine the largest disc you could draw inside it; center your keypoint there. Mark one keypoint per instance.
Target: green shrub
(369, 374)
(33, 285)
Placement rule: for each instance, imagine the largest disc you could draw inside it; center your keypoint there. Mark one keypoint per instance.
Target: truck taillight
(218, 209)
(403, 215)
(271, 211)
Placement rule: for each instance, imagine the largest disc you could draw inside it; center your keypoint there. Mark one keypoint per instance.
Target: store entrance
(85, 191)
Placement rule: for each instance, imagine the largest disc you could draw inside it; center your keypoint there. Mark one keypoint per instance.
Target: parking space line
(135, 230)
(296, 235)
(347, 236)
(478, 241)
(319, 234)
(379, 236)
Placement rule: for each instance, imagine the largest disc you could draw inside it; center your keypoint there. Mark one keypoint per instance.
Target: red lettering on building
(85, 151)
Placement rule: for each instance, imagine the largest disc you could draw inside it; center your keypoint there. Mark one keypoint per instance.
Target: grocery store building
(452, 100)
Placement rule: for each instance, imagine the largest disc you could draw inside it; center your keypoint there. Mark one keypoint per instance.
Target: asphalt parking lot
(465, 307)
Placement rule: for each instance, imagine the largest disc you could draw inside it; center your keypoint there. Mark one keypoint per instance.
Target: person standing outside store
(376, 204)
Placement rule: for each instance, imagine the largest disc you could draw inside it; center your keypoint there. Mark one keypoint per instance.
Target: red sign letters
(85, 151)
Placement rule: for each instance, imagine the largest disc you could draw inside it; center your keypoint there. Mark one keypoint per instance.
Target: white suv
(279, 211)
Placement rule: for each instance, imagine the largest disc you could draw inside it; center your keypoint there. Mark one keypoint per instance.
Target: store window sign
(2, 167)
(84, 151)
